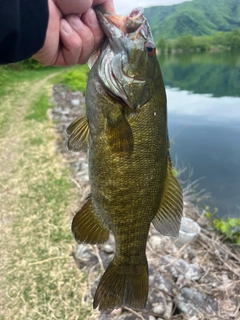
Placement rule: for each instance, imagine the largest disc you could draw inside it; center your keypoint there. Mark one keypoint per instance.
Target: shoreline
(198, 281)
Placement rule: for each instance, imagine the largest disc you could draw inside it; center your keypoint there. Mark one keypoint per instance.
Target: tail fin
(122, 285)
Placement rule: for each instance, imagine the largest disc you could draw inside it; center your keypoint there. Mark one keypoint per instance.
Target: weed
(76, 78)
(230, 228)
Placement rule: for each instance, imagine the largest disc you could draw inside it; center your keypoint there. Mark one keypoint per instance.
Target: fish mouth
(115, 25)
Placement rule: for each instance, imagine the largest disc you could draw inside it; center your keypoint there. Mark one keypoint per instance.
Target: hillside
(197, 17)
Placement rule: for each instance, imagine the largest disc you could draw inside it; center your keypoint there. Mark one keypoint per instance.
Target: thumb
(73, 6)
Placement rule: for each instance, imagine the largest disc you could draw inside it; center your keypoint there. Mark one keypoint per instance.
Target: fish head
(127, 62)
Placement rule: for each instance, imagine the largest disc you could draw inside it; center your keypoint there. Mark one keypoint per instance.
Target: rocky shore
(197, 281)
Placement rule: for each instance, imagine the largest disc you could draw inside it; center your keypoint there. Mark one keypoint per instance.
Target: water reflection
(210, 143)
(205, 106)
(216, 73)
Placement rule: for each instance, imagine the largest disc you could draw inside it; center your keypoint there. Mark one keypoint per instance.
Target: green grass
(39, 108)
(76, 78)
(10, 76)
(13, 88)
(39, 277)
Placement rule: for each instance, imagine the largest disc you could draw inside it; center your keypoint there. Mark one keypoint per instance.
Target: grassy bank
(39, 279)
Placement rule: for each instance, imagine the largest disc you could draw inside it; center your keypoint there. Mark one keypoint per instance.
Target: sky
(126, 6)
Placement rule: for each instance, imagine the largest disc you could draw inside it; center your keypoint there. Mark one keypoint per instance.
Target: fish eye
(151, 50)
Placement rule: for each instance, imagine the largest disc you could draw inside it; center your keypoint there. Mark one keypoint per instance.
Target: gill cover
(128, 45)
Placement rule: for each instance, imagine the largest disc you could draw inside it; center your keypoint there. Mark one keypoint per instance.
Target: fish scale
(130, 169)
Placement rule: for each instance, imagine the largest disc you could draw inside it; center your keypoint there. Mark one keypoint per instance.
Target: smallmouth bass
(130, 169)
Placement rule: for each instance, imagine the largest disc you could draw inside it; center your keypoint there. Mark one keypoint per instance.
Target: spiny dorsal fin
(79, 133)
(168, 218)
(87, 226)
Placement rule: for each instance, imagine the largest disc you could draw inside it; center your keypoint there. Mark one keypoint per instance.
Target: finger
(86, 35)
(71, 48)
(106, 4)
(90, 20)
(74, 6)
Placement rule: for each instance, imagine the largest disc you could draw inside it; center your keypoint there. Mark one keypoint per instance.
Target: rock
(158, 243)
(108, 248)
(174, 267)
(181, 267)
(158, 281)
(193, 272)
(161, 289)
(84, 255)
(155, 242)
(83, 252)
(125, 316)
(84, 166)
(75, 102)
(192, 303)
(159, 303)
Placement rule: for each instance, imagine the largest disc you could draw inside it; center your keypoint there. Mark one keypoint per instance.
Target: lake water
(203, 92)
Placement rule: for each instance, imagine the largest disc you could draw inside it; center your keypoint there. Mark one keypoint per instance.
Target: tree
(185, 43)
(161, 44)
(202, 43)
(233, 39)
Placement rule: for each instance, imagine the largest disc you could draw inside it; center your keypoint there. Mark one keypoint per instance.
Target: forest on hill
(196, 17)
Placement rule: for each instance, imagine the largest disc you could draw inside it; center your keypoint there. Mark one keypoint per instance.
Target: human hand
(73, 32)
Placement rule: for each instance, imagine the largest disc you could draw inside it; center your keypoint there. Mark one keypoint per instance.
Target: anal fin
(87, 226)
(79, 133)
(168, 217)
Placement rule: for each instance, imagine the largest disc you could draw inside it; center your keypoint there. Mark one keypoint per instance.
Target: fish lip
(136, 12)
(129, 24)
(103, 21)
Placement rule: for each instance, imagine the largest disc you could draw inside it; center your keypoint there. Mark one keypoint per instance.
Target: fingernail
(66, 27)
(92, 19)
(76, 22)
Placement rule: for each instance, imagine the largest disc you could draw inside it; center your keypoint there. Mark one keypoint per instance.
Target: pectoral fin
(79, 134)
(87, 226)
(119, 134)
(168, 217)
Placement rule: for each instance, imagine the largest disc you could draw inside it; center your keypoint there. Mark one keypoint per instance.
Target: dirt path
(18, 226)
(14, 108)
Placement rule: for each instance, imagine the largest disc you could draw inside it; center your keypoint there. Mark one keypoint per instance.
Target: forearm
(23, 25)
